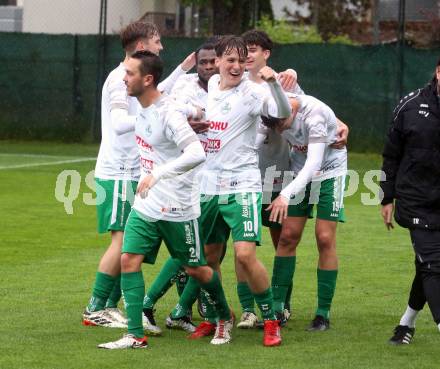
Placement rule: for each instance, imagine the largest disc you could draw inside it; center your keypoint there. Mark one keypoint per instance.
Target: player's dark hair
(258, 38)
(136, 31)
(270, 122)
(226, 44)
(150, 64)
(206, 46)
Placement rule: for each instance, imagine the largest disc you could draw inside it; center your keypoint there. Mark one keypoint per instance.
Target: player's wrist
(157, 173)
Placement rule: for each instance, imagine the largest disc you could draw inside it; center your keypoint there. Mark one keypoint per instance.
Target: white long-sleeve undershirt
(315, 156)
(280, 102)
(122, 122)
(167, 84)
(193, 155)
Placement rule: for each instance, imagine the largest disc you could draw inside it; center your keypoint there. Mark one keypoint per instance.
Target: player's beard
(135, 89)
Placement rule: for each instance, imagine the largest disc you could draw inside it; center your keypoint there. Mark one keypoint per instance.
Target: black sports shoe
(184, 323)
(319, 324)
(403, 335)
(281, 318)
(149, 323)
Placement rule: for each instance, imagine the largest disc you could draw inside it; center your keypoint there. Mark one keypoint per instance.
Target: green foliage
(332, 17)
(341, 39)
(283, 32)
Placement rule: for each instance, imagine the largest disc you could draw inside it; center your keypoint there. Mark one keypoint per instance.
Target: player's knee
(192, 272)
(326, 241)
(288, 241)
(202, 273)
(244, 257)
(127, 262)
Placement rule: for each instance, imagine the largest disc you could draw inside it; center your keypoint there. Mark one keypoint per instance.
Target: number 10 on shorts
(248, 226)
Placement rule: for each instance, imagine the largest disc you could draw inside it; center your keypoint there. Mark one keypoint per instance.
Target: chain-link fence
(50, 85)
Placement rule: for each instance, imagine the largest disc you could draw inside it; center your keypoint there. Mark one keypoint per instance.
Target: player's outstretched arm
(282, 106)
(315, 156)
(122, 121)
(193, 155)
(167, 84)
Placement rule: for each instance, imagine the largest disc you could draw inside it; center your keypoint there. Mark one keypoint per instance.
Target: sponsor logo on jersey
(217, 126)
(204, 145)
(170, 210)
(213, 145)
(225, 108)
(147, 164)
(328, 168)
(143, 144)
(424, 113)
(300, 148)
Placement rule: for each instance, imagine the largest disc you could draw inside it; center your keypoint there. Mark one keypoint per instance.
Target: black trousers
(426, 283)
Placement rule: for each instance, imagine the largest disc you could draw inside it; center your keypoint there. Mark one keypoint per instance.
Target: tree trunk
(227, 17)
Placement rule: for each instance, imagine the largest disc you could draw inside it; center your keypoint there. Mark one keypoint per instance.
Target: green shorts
(117, 198)
(265, 214)
(144, 235)
(328, 195)
(239, 213)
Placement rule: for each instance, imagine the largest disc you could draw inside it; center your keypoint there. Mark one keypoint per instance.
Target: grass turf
(49, 259)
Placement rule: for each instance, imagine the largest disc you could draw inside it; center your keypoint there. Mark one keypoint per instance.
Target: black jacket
(411, 160)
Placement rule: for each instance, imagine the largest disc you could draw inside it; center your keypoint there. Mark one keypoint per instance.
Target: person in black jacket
(411, 188)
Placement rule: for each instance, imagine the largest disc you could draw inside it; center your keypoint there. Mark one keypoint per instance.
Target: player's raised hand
(198, 126)
(267, 74)
(278, 209)
(288, 79)
(341, 135)
(189, 62)
(145, 185)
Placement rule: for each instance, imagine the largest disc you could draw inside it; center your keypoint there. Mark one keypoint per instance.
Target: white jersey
(274, 153)
(232, 160)
(315, 122)
(161, 130)
(118, 156)
(188, 91)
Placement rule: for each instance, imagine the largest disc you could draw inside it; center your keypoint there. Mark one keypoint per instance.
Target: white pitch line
(35, 155)
(47, 163)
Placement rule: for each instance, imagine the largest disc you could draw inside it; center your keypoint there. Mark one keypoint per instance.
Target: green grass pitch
(48, 262)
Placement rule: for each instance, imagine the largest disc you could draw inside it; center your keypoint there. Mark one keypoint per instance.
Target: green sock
(101, 291)
(283, 270)
(208, 307)
(264, 301)
(217, 294)
(326, 291)
(115, 295)
(162, 283)
(246, 297)
(187, 299)
(133, 288)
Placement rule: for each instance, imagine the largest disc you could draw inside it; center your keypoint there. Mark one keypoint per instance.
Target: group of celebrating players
(201, 157)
